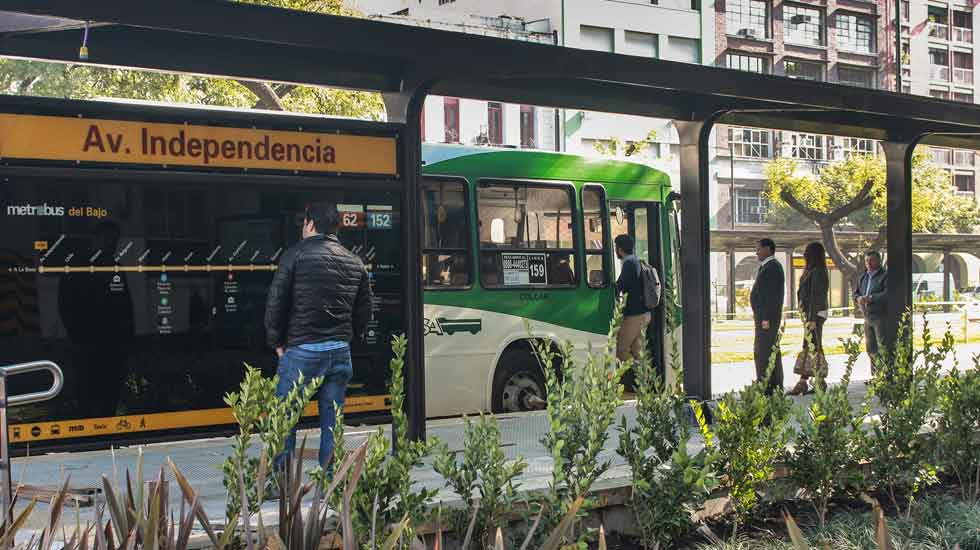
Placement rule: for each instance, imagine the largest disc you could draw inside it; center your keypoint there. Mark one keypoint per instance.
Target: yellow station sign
(97, 140)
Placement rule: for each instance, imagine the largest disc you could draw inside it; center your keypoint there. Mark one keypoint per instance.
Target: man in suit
(870, 296)
(767, 312)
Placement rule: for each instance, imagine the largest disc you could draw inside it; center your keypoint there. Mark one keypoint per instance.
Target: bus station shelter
(244, 41)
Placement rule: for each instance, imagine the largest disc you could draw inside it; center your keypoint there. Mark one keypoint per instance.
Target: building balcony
(963, 76)
(939, 72)
(964, 35)
(939, 30)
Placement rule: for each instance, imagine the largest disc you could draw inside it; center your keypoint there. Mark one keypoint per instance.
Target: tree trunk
(848, 268)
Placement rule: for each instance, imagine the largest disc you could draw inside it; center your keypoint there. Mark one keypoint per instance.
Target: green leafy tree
(70, 81)
(851, 194)
(612, 146)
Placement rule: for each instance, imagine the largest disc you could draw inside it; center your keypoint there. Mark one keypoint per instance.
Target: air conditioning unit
(748, 33)
(800, 19)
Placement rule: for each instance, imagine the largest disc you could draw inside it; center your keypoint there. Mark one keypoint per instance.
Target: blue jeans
(336, 369)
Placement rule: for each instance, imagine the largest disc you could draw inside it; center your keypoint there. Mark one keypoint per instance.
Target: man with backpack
(641, 285)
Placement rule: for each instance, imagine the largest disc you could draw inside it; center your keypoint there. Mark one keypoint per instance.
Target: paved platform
(200, 460)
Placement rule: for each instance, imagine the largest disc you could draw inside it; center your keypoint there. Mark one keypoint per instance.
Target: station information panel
(150, 293)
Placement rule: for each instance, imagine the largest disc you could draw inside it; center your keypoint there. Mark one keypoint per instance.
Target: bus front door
(641, 221)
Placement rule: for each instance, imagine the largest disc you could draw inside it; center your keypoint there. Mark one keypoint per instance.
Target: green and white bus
(511, 235)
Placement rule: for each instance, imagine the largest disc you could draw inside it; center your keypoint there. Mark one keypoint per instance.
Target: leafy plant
(956, 429)
(825, 458)
(259, 412)
(669, 483)
(752, 432)
(386, 498)
(906, 384)
(484, 479)
(582, 403)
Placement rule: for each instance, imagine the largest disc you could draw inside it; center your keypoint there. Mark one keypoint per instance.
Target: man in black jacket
(636, 316)
(319, 300)
(767, 312)
(871, 296)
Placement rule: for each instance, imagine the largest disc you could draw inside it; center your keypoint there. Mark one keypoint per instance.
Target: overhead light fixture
(83, 51)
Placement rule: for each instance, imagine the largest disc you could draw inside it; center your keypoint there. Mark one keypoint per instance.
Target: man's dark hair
(768, 243)
(324, 216)
(624, 243)
(874, 253)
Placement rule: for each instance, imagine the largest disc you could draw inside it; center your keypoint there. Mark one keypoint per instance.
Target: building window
(939, 64)
(528, 127)
(804, 70)
(963, 158)
(965, 183)
(640, 43)
(853, 76)
(687, 50)
(495, 123)
(965, 98)
(905, 10)
(963, 27)
(803, 25)
(852, 146)
(527, 235)
(751, 206)
(942, 157)
(444, 2)
(596, 38)
(445, 234)
(451, 116)
(742, 62)
(855, 33)
(750, 143)
(806, 146)
(963, 68)
(939, 94)
(747, 18)
(938, 23)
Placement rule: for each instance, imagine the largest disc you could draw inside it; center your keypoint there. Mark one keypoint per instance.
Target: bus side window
(596, 237)
(446, 234)
(527, 235)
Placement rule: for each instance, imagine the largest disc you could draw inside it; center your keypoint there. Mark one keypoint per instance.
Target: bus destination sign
(524, 269)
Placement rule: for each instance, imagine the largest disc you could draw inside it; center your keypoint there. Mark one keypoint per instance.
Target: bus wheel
(518, 384)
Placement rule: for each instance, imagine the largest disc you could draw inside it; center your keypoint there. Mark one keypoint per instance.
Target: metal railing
(58, 381)
(939, 72)
(963, 76)
(961, 34)
(939, 30)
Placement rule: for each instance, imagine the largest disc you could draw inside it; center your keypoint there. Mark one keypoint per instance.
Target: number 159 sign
(524, 269)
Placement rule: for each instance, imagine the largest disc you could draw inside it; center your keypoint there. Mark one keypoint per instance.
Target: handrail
(35, 366)
(58, 382)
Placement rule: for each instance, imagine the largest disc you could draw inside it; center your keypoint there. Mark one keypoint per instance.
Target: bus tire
(518, 384)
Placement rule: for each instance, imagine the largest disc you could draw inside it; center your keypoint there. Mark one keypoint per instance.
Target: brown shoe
(800, 388)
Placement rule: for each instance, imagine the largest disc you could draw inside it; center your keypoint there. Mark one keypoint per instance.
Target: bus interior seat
(597, 277)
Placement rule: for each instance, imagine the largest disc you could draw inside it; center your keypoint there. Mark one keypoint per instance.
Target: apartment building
(938, 49)
(667, 29)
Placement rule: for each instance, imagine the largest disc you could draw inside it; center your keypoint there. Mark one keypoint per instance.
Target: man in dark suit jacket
(767, 312)
(870, 295)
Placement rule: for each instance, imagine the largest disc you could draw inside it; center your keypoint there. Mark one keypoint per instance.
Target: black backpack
(651, 285)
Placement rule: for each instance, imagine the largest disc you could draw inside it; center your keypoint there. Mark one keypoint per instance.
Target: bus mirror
(620, 215)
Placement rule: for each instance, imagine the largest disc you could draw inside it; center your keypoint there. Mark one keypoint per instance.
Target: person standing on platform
(767, 313)
(812, 297)
(870, 295)
(319, 300)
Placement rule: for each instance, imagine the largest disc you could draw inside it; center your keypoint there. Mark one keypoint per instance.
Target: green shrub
(906, 384)
(484, 480)
(958, 426)
(669, 483)
(752, 432)
(582, 404)
(825, 461)
(385, 496)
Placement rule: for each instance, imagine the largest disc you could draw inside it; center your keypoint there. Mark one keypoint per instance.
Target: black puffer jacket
(319, 293)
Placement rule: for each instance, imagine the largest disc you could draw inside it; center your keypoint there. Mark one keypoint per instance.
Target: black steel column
(406, 106)
(695, 254)
(898, 159)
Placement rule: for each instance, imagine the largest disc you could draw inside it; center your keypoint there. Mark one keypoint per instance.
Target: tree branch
(795, 204)
(848, 268)
(862, 200)
(268, 98)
